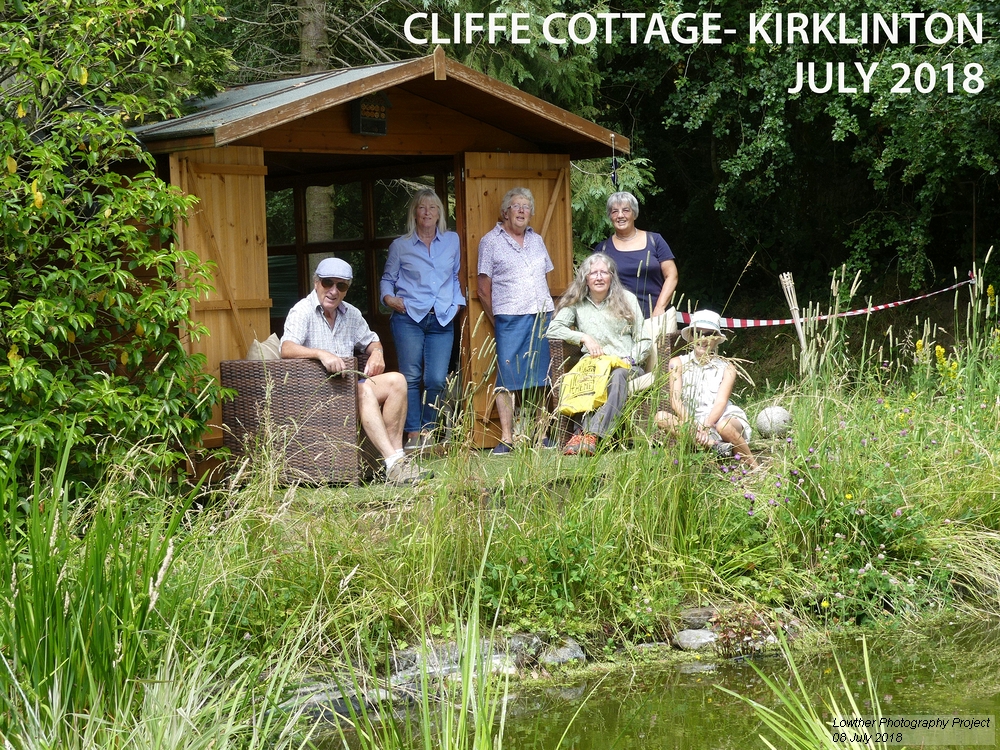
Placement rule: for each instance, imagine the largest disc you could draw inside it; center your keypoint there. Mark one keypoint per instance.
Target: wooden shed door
(227, 227)
(485, 178)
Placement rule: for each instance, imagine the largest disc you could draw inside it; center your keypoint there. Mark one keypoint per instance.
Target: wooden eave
(172, 145)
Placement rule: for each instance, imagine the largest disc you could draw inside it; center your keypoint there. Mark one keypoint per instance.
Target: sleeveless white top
(700, 386)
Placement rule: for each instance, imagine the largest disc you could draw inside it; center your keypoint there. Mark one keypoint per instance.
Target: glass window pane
(334, 212)
(391, 199)
(282, 284)
(450, 203)
(280, 217)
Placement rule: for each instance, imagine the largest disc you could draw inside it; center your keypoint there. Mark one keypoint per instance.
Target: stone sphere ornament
(774, 422)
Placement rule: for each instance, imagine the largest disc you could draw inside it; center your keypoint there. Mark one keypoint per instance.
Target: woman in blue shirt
(420, 284)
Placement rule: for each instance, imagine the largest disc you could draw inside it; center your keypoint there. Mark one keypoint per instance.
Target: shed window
(355, 219)
(283, 284)
(391, 200)
(280, 217)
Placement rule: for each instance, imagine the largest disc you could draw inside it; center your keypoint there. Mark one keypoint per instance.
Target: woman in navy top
(420, 284)
(645, 263)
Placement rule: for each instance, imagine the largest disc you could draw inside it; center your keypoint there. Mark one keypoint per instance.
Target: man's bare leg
(382, 404)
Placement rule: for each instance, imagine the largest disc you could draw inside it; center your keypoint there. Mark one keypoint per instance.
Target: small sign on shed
(369, 115)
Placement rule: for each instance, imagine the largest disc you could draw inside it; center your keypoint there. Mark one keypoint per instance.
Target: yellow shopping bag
(585, 387)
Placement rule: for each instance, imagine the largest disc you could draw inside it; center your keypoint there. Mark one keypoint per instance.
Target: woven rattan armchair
(294, 412)
(649, 400)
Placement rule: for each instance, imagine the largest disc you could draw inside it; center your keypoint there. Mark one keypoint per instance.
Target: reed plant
(799, 724)
(80, 582)
(97, 648)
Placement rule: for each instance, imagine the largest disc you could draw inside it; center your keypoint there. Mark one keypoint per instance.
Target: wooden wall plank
(224, 304)
(227, 226)
(203, 168)
(553, 202)
(513, 174)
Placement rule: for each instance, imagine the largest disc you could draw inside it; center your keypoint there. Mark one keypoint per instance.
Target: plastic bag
(585, 387)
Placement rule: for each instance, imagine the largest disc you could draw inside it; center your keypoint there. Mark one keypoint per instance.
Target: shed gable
(416, 126)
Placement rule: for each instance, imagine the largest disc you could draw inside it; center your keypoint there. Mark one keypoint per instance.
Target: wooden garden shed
(291, 171)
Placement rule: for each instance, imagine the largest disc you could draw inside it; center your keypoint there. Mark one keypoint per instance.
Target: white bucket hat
(704, 322)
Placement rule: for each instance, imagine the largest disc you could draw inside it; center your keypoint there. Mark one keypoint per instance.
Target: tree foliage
(94, 296)
(265, 42)
(805, 181)
(592, 182)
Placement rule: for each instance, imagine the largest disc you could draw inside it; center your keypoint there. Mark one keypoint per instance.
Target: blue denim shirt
(426, 278)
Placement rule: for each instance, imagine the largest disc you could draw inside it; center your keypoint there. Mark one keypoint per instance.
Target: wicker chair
(649, 399)
(305, 416)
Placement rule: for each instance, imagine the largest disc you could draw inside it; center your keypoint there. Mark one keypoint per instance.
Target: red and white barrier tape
(683, 317)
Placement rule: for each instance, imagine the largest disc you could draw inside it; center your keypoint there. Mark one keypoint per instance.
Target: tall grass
(81, 584)
(881, 501)
(890, 453)
(96, 648)
(463, 711)
(843, 522)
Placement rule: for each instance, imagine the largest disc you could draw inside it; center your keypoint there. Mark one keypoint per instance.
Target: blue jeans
(424, 352)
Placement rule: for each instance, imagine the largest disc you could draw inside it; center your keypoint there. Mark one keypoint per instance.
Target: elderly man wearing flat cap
(322, 326)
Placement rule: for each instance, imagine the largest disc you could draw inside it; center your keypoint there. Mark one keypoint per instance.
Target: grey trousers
(602, 420)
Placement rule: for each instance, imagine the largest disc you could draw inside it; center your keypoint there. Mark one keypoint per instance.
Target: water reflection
(656, 708)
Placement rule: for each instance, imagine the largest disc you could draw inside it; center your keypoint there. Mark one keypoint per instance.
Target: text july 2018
(842, 78)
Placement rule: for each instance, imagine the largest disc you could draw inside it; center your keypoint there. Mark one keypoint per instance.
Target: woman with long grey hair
(600, 316)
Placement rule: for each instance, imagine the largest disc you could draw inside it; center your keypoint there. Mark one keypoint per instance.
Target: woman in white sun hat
(701, 383)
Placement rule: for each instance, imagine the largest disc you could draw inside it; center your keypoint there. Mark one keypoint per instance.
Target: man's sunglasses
(342, 286)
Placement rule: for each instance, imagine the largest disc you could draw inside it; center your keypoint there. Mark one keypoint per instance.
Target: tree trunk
(314, 49)
(314, 45)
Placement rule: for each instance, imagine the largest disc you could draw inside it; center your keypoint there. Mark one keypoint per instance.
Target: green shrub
(95, 296)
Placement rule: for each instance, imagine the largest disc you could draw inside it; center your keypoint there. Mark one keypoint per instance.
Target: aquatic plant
(798, 723)
(96, 647)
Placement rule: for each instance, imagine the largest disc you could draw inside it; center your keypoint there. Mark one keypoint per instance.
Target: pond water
(955, 670)
(948, 671)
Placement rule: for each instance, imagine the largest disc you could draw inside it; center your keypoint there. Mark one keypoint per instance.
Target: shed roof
(243, 111)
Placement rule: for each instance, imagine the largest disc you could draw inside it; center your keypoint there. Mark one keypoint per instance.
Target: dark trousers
(602, 420)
